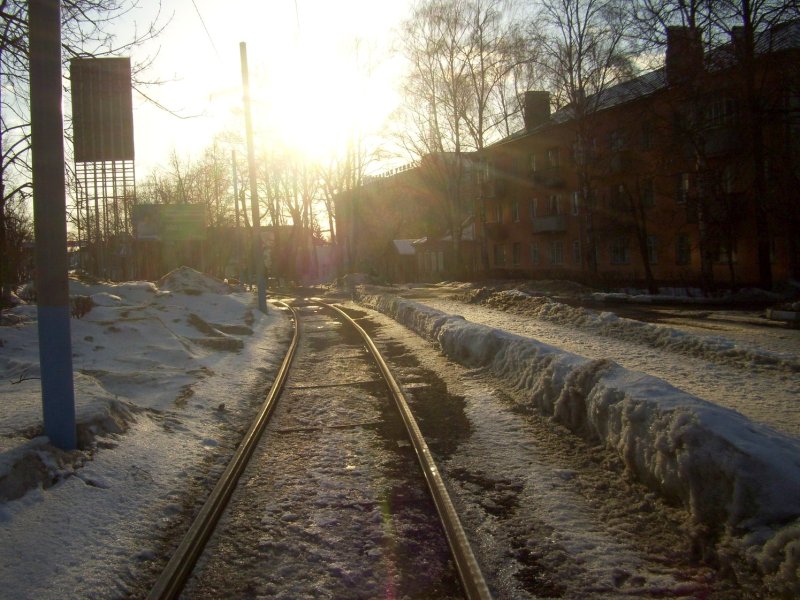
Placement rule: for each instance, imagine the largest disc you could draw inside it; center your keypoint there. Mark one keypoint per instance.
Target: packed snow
(734, 360)
(738, 478)
(165, 376)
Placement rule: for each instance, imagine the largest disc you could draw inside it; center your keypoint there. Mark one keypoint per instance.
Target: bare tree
(750, 24)
(86, 31)
(461, 52)
(736, 33)
(583, 53)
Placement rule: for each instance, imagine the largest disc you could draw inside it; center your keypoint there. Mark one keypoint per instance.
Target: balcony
(550, 177)
(552, 224)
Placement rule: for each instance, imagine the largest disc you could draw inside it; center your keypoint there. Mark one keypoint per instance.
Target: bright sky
(306, 85)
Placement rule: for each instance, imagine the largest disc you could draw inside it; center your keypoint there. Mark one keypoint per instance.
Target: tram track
(327, 403)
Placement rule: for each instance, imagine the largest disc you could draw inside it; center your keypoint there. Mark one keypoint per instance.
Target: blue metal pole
(50, 224)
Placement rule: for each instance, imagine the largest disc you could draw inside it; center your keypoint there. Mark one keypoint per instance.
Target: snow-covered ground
(166, 375)
(755, 371)
(735, 476)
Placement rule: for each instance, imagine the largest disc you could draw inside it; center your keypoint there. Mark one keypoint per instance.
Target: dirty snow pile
(738, 479)
(177, 367)
(719, 348)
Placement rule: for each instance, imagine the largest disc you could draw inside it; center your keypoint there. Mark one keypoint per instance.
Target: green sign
(170, 222)
(183, 222)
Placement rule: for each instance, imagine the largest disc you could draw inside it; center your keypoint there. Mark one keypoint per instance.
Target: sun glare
(310, 92)
(312, 89)
(315, 104)
(306, 112)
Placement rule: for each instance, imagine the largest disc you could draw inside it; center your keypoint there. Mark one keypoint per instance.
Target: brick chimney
(684, 58)
(537, 109)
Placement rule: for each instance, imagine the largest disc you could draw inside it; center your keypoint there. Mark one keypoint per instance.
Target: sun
(315, 103)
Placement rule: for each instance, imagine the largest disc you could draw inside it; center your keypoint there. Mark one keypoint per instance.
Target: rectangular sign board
(183, 222)
(169, 222)
(102, 109)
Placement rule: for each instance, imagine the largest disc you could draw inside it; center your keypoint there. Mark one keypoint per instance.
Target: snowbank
(165, 381)
(715, 348)
(137, 348)
(738, 479)
(189, 281)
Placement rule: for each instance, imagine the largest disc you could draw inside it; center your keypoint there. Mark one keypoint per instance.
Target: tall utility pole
(50, 225)
(258, 252)
(237, 232)
(235, 177)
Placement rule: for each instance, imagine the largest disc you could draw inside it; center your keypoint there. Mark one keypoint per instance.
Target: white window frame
(557, 252)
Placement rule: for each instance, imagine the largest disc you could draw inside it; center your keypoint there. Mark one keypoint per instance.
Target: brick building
(655, 184)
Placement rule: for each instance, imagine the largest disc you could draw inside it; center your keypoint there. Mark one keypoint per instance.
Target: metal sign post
(50, 225)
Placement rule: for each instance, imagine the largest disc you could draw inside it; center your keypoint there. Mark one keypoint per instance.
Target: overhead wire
(208, 34)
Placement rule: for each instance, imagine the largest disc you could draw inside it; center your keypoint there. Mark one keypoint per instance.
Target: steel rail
(174, 576)
(468, 569)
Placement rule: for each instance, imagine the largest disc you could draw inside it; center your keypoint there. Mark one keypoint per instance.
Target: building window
(577, 153)
(726, 252)
(592, 198)
(516, 254)
(557, 252)
(553, 158)
(491, 211)
(647, 135)
(720, 111)
(486, 179)
(683, 251)
(533, 208)
(555, 204)
(498, 212)
(652, 249)
(534, 254)
(499, 255)
(617, 197)
(682, 185)
(648, 193)
(576, 203)
(576, 252)
(440, 260)
(620, 254)
(616, 141)
(485, 173)
(728, 180)
(515, 210)
(532, 162)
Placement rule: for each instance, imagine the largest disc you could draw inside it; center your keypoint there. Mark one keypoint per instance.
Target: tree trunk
(5, 270)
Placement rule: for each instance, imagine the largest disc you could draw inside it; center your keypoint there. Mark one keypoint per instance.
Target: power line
(164, 108)
(213, 45)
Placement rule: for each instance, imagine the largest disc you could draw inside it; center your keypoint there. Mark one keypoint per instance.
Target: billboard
(183, 222)
(102, 109)
(169, 222)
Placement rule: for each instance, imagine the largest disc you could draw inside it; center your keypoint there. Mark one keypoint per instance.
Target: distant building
(406, 204)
